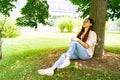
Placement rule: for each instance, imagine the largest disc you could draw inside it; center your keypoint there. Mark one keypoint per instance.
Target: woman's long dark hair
(84, 39)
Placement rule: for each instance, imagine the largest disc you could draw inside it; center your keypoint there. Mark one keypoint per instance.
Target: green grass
(112, 42)
(24, 55)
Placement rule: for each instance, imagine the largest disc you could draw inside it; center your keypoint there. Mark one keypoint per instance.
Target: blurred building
(113, 25)
(59, 8)
(56, 8)
(62, 8)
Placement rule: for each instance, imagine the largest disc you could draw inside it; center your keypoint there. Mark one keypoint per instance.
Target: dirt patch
(49, 60)
(110, 61)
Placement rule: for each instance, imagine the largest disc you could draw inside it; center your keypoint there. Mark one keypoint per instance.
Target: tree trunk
(0, 45)
(1, 38)
(98, 14)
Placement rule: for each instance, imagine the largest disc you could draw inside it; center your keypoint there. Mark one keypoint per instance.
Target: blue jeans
(75, 51)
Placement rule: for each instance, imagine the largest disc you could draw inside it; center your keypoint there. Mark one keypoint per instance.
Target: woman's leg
(59, 61)
(58, 64)
(77, 50)
(72, 53)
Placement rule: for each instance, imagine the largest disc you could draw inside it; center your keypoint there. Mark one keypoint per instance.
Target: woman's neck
(86, 29)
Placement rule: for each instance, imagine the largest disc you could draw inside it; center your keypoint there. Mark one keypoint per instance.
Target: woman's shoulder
(92, 33)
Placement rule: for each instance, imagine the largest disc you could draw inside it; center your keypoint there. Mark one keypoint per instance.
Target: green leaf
(113, 8)
(35, 11)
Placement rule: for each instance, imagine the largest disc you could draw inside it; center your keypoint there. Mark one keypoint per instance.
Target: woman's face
(86, 23)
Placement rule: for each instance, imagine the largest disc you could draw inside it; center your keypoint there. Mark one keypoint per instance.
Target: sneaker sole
(42, 73)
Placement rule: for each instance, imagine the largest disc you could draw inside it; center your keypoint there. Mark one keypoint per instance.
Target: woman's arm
(81, 42)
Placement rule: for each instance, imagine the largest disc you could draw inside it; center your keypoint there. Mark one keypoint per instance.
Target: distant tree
(35, 11)
(5, 7)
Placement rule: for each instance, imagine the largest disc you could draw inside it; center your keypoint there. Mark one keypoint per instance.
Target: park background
(25, 49)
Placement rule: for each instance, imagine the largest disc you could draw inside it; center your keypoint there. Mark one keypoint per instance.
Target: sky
(58, 7)
(16, 11)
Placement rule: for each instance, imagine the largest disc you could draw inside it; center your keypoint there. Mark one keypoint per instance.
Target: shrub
(61, 26)
(65, 23)
(59, 23)
(9, 29)
(69, 25)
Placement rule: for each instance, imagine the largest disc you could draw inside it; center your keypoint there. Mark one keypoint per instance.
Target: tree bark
(1, 38)
(0, 45)
(98, 14)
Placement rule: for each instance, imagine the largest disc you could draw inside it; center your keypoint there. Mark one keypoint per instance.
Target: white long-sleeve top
(91, 41)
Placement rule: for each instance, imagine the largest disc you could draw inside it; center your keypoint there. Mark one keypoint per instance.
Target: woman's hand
(80, 41)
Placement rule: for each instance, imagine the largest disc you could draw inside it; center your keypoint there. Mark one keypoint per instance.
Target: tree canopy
(113, 8)
(6, 6)
(35, 11)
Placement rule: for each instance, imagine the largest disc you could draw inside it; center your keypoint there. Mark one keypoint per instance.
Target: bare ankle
(67, 57)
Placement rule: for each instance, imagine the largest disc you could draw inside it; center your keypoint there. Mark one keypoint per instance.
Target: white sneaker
(65, 63)
(47, 71)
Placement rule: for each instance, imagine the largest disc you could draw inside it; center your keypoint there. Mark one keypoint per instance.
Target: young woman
(81, 47)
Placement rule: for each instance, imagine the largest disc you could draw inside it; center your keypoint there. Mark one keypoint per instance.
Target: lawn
(112, 42)
(24, 55)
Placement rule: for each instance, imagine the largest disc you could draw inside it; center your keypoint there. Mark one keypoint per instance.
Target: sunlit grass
(112, 42)
(24, 55)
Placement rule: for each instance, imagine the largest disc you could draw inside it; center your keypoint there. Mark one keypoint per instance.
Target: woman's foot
(65, 63)
(47, 71)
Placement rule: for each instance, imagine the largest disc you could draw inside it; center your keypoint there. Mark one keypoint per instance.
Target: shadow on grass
(24, 67)
(106, 68)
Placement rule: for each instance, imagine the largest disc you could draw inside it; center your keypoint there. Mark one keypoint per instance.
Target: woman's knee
(75, 42)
